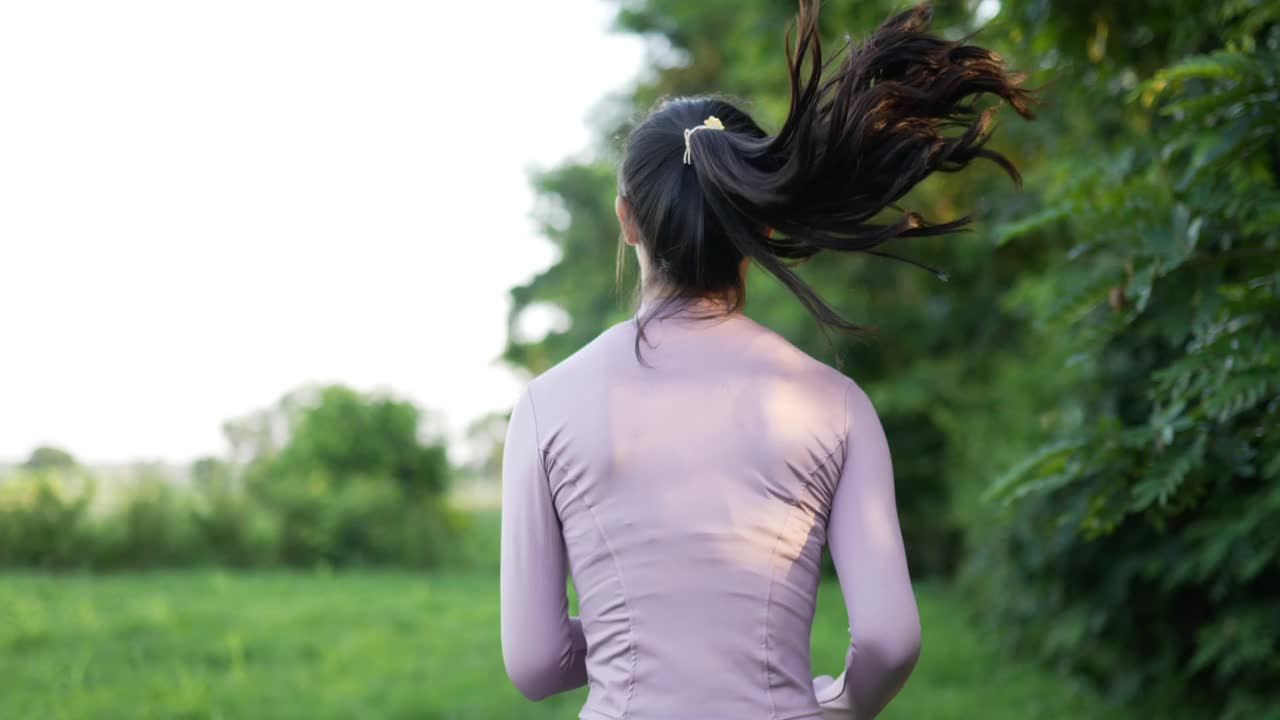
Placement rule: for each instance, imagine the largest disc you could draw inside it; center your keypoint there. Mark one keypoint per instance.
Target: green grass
(208, 644)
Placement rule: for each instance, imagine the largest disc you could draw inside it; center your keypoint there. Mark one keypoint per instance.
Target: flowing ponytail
(897, 107)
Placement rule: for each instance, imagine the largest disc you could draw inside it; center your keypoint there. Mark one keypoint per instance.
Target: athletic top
(689, 502)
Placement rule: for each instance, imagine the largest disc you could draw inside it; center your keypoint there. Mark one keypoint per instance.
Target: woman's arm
(866, 545)
(544, 649)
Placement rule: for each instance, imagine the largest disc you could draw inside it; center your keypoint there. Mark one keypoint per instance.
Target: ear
(623, 211)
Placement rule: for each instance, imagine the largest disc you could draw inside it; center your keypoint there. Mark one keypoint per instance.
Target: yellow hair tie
(711, 123)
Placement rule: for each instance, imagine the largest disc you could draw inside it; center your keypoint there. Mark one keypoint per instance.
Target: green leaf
(1030, 225)
(1162, 481)
(1046, 462)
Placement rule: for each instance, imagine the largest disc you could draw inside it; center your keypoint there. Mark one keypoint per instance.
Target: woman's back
(691, 500)
(690, 495)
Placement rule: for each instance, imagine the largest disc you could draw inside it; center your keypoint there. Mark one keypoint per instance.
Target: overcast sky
(204, 205)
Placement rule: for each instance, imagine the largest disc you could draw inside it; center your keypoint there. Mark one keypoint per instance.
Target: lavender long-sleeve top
(689, 502)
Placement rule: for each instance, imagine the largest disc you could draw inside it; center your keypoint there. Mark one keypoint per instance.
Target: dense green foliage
(352, 484)
(1105, 350)
(335, 478)
(43, 519)
(1145, 533)
(372, 645)
(341, 433)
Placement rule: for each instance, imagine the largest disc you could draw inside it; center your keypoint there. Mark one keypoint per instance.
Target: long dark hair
(854, 142)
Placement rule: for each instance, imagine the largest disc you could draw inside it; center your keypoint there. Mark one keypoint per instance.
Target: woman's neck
(708, 304)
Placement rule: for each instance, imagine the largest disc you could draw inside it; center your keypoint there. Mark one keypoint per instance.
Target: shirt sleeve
(543, 648)
(865, 540)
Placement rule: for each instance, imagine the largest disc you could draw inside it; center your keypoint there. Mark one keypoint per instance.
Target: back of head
(855, 141)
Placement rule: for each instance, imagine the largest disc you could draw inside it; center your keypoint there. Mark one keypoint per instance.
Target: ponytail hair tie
(711, 123)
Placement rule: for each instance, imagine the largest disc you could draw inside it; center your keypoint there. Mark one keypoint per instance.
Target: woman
(689, 489)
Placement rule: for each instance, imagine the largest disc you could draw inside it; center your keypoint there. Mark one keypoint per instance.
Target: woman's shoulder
(760, 350)
(789, 358)
(585, 363)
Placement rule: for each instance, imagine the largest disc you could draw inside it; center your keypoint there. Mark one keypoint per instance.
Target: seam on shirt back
(547, 470)
(845, 411)
(792, 509)
(537, 435)
(840, 445)
(613, 558)
(631, 634)
(843, 445)
(792, 514)
(777, 542)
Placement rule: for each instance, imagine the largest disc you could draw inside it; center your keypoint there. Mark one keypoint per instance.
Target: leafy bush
(151, 526)
(44, 518)
(315, 521)
(235, 530)
(350, 484)
(346, 435)
(360, 521)
(1144, 537)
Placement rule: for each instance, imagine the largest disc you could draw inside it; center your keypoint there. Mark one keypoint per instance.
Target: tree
(346, 435)
(49, 458)
(1142, 547)
(345, 478)
(211, 474)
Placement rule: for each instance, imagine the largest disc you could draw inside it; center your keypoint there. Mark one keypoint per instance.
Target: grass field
(208, 644)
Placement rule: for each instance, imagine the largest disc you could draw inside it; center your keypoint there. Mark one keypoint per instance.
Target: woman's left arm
(544, 649)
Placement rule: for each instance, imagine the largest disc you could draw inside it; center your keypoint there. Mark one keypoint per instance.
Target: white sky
(204, 205)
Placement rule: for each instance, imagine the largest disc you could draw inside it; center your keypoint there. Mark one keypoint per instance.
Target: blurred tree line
(327, 476)
(1084, 418)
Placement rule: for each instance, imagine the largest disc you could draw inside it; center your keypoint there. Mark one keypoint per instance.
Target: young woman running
(689, 489)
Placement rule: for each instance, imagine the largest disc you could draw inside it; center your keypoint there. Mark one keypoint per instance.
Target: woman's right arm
(865, 540)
